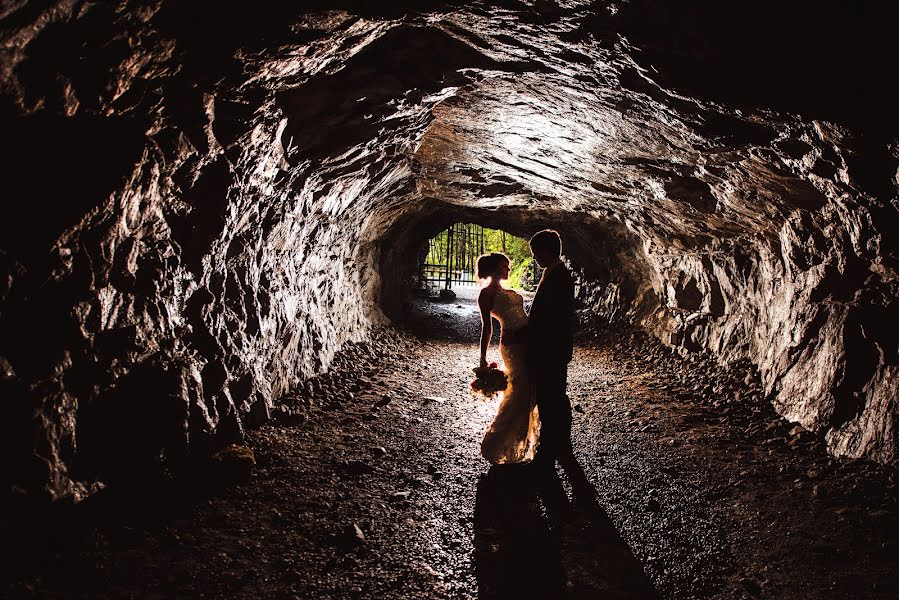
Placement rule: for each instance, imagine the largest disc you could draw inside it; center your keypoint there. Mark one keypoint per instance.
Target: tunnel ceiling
(219, 198)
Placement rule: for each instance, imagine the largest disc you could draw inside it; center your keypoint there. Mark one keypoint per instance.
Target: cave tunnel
(218, 377)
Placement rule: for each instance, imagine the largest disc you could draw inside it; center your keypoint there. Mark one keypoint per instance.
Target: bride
(512, 437)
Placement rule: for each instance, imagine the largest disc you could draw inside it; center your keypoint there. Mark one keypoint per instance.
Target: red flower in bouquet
(488, 382)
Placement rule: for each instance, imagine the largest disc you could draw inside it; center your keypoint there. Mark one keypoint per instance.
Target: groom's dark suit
(550, 345)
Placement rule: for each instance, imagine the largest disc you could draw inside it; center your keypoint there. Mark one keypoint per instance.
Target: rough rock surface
(211, 200)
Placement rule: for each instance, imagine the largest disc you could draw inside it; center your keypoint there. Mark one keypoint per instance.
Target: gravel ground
(370, 485)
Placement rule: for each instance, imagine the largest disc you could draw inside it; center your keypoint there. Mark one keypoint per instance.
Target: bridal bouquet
(488, 381)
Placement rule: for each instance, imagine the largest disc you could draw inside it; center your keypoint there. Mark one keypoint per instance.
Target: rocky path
(372, 487)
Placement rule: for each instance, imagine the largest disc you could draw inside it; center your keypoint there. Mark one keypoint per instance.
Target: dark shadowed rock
(233, 463)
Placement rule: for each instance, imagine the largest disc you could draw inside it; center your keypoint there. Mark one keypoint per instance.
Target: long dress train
(513, 435)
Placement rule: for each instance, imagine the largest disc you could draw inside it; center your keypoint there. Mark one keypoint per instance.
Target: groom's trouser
(555, 410)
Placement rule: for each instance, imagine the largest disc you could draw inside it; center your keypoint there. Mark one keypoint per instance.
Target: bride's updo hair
(488, 264)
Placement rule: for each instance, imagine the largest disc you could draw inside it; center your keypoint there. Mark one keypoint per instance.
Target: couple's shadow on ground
(532, 541)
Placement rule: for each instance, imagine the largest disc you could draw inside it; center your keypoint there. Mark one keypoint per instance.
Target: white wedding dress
(513, 435)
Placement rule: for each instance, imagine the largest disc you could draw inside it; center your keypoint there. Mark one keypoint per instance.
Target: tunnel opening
(614, 280)
(448, 261)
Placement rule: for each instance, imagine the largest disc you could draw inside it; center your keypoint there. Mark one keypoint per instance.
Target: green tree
(495, 240)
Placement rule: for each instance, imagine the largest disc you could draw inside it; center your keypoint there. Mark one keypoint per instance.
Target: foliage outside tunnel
(452, 255)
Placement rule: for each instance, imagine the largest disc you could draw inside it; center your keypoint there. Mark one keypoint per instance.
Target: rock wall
(217, 263)
(209, 202)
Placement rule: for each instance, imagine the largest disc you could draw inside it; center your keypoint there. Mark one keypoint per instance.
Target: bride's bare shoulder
(487, 295)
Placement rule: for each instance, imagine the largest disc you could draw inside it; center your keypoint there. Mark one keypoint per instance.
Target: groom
(550, 345)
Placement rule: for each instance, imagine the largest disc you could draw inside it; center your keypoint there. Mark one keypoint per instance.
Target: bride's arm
(485, 303)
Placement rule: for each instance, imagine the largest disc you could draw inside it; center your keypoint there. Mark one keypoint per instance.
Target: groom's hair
(547, 241)
(488, 264)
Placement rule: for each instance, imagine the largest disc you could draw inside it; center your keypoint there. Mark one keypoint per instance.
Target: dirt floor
(370, 485)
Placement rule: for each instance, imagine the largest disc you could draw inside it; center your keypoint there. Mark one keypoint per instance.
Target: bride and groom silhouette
(533, 421)
(570, 547)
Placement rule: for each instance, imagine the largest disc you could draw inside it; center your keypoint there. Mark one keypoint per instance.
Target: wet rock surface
(374, 488)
